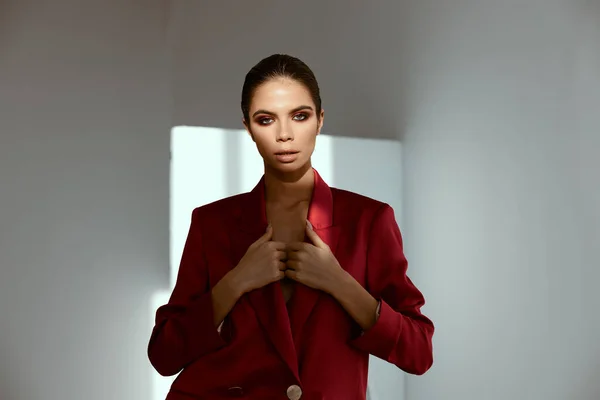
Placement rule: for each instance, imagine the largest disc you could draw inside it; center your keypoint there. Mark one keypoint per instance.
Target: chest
(289, 225)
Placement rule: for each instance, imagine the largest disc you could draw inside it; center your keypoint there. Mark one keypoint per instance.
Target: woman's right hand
(263, 263)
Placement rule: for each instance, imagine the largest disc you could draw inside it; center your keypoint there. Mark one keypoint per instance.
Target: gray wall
(502, 195)
(350, 47)
(84, 162)
(496, 103)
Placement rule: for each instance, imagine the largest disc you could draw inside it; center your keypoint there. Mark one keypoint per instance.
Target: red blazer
(319, 351)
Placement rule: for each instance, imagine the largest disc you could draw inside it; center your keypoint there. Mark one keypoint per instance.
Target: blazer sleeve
(401, 335)
(184, 329)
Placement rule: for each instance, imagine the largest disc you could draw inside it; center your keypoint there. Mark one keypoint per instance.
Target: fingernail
(309, 225)
(268, 226)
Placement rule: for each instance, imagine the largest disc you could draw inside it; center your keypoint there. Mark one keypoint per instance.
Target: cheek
(261, 139)
(309, 134)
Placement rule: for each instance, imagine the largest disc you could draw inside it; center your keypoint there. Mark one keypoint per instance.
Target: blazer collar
(253, 217)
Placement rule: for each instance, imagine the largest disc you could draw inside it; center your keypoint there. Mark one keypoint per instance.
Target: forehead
(280, 93)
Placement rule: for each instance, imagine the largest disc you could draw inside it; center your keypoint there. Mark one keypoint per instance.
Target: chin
(290, 168)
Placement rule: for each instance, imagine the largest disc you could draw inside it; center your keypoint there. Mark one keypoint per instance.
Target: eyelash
(261, 121)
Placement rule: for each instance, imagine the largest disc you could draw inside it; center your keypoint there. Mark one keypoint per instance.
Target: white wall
(84, 167)
(502, 205)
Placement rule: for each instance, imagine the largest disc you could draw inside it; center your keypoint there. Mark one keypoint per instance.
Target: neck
(289, 189)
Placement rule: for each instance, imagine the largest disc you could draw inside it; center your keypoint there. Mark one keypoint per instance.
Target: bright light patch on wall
(208, 164)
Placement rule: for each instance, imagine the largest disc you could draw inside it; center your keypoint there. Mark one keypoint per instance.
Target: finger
(314, 237)
(296, 255)
(292, 255)
(278, 246)
(290, 273)
(292, 264)
(296, 246)
(281, 255)
(282, 266)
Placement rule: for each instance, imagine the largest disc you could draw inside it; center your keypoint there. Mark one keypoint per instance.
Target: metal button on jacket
(294, 392)
(235, 391)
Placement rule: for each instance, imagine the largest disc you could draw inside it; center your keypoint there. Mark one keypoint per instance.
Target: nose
(284, 133)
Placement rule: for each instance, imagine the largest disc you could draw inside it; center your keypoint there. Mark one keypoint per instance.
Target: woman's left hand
(313, 265)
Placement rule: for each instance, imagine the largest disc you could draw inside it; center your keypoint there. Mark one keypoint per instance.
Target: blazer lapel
(282, 329)
(320, 215)
(306, 298)
(268, 302)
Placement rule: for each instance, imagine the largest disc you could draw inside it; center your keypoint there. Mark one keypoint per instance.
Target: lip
(286, 156)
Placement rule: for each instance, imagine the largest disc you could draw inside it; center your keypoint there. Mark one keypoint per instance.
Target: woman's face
(283, 123)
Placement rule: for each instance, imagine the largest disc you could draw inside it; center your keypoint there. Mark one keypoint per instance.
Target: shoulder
(353, 207)
(343, 197)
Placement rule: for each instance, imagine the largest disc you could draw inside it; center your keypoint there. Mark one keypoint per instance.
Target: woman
(283, 292)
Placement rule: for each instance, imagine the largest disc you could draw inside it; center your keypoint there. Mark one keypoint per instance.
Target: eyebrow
(300, 108)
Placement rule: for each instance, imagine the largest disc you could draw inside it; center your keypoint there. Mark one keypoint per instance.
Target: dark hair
(279, 66)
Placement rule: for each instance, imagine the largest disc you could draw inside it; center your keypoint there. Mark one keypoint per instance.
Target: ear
(322, 117)
(247, 126)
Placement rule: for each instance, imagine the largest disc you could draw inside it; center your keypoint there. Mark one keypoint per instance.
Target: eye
(300, 117)
(265, 120)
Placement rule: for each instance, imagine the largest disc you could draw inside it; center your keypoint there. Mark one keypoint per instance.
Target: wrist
(341, 284)
(234, 284)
